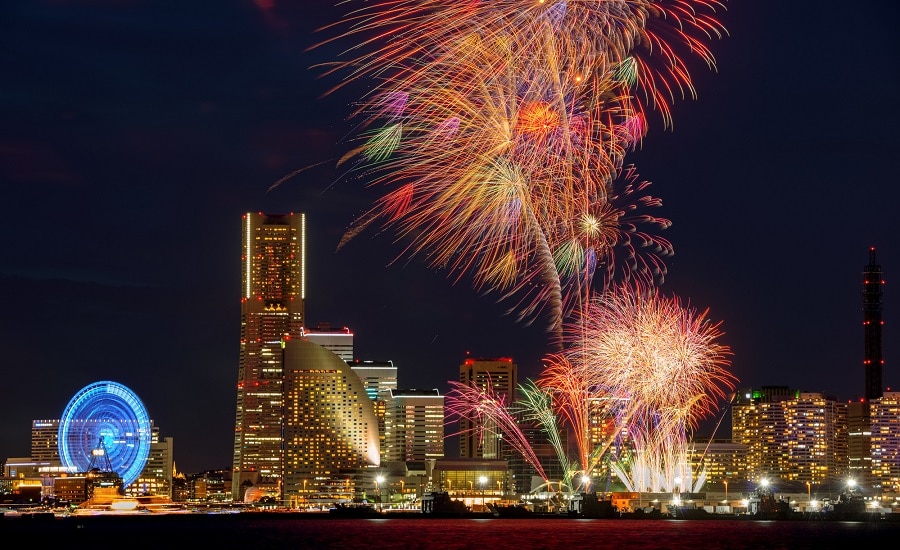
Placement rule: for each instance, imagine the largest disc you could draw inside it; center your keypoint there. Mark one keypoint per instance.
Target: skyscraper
(500, 375)
(872, 324)
(272, 311)
(379, 378)
(416, 419)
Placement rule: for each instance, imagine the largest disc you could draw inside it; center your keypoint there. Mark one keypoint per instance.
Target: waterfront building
(476, 482)
(379, 378)
(792, 435)
(723, 460)
(859, 441)
(210, 486)
(330, 427)
(416, 421)
(500, 377)
(273, 265)
(885, 443)
(156, 477)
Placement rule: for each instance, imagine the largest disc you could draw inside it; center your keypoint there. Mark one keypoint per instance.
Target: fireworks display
(652, 366)
(499, 132)
(500, 129)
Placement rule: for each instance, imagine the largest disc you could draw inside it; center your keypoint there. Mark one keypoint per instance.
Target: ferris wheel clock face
(105, 426)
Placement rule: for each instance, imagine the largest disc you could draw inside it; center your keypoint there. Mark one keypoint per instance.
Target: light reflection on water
(592, 533)
(260, 532)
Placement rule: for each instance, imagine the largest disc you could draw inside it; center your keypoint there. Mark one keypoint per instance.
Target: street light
(402, 493)
(378, 481)
(851, 489)
(586, 481)
(808, 493)
(725, 481)
(482, 480)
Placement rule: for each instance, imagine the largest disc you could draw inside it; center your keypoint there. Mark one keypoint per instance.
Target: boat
(510, 511)
(354, 510)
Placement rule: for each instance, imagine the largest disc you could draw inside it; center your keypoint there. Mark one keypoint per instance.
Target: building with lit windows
(885, 442)
(723, 460)
(608, 435)
(330, 427)
(45, 440)
(475, 482)
(500, 375)
(154, 479)
(338, 340)
(272, 311)
(379, 378)
(792, 435)
(416, 418)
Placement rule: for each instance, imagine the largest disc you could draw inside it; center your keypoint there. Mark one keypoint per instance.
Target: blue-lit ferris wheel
(105, 418)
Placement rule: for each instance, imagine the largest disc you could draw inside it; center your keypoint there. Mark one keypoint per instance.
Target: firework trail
(500, 126)
(641, 42)
(489, 412)
(539, 405)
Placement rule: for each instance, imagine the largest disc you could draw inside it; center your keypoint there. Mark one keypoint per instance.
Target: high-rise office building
(45, 441)
(499, 376)
(338, 340)
(379, 378)
(272, 312)
(416, 420)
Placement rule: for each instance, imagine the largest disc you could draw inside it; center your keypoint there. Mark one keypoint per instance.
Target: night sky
(134, 134)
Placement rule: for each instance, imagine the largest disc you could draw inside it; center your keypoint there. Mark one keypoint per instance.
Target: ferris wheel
(105, 418)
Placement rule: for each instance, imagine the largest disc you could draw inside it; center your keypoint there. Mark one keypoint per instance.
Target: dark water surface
(255, 531)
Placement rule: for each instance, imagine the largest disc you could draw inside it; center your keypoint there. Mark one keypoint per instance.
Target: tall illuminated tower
(272, 301)
(872, 324)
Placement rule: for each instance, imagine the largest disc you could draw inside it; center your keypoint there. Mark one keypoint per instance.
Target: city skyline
(136, 136)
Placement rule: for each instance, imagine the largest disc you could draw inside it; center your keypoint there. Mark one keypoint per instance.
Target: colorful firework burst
(501, 127)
